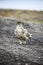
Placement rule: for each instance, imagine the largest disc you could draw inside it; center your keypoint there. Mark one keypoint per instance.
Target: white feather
(21, 32)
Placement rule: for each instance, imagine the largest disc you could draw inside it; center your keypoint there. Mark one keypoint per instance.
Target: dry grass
(26, 15)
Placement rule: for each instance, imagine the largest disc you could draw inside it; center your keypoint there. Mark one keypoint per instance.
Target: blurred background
(28, 10)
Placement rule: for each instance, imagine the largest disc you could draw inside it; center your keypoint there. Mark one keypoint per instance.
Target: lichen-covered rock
(12, 53)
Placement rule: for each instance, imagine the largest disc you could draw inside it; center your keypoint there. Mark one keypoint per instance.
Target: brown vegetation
(26, 15)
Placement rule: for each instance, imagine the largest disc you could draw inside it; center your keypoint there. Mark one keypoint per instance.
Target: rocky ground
(12, 53)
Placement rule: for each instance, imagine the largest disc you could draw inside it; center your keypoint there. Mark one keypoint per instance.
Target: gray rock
(12, 53)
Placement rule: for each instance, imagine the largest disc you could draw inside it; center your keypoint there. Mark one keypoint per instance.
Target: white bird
(21, 33)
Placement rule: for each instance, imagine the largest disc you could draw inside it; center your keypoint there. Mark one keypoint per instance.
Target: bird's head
(19, 22)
